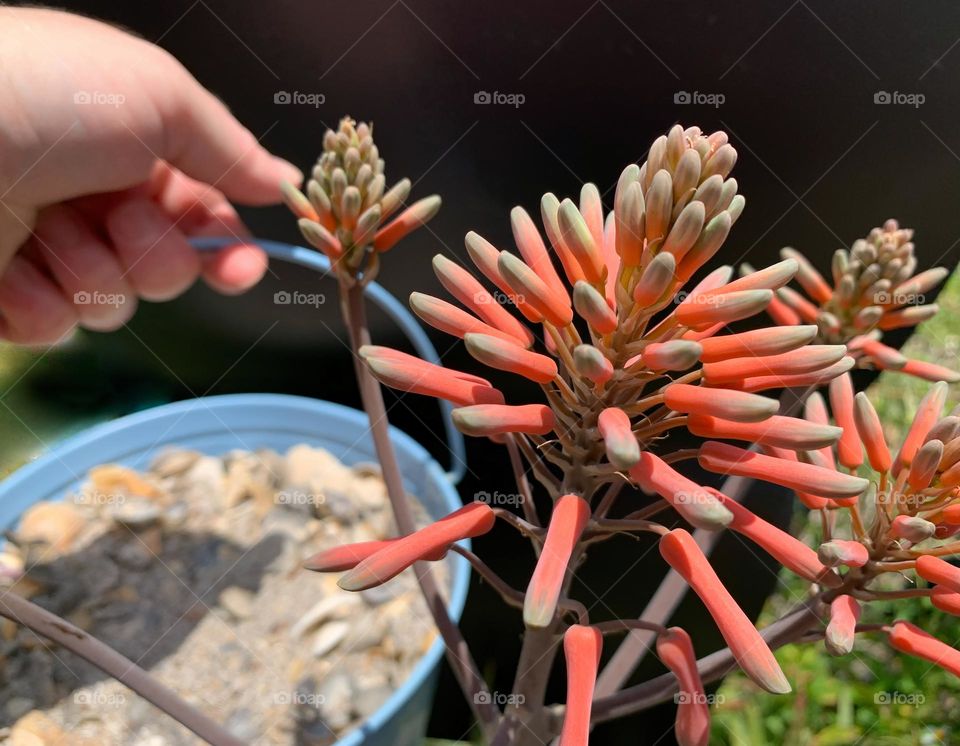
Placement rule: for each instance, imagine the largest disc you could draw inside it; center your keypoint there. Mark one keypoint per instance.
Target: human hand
(111, 156)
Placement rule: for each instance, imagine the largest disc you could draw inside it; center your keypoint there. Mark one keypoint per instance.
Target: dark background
(820, 164)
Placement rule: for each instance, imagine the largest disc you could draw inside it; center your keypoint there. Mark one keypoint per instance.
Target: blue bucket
(218, 424)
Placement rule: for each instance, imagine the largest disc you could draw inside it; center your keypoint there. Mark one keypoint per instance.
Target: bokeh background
(843, 115)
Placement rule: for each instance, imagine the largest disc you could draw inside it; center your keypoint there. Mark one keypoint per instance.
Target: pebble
(135, 513)
(237, 601)
(55, 524)
(328, 637)
(335, 700)
(335, 606)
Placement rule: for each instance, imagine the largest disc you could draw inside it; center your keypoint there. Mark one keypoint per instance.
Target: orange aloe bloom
(749, 649)
(593, 308)
(675, 650)
(912, 528)
(871, 433)
(938, 571)
(928, 412)
(725, 403)
(697, 505)
(511, 357)
(946, 600)
(418, 214)
(726, 459)
(758, 342)
(570, 516)
(849, 449)
(582, 647)
(622, 448)
(783, 432)
(809, 359)
(497, 419)
(472, 520)
(348, 556)
(447, 318)
(842, 629)
(910, 639)
(843, 552)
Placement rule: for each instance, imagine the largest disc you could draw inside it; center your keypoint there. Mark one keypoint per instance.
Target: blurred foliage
(873, 696)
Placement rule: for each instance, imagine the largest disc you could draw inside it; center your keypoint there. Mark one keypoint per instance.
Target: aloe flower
(675, 650)
(582, 647)
(347, 210)
(910, 639)
(873, 290)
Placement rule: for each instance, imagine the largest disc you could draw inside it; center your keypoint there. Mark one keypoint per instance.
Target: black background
(820, 164)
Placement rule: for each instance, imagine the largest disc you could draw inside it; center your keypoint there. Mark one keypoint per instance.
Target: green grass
(842, 700)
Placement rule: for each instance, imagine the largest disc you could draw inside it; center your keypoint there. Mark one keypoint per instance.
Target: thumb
(206, 143)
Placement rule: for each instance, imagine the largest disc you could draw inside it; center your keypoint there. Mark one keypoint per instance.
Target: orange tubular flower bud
(849, 450)
(714, 233)
(510, 357)
(925, 463)
(809, 359)
(725, 403)
(842, 552)
(842, 629)
(885, 358)
(630, 225)
(946, 600)
(749, 649)
(722, 458)
(912, 528)
(593, 308)
(811, 502)
(685, 231)
(928, 412)
(910, 639)
(320, 238)
(465, 288)
(757, 343)
(452, 320)
(348, 556)
(808, 277)
(677, 354)
(495, 419)
(471, 520)
(786, 549)
(623, 450)
(816, 378)
(418, 214)
(938, 571)
(871, 433)
(675, 650)
(579, 240)
(951, 515)
(570, 516)
(770, 278)
(655, 281)
(697, 505)
(798, 304)
(485, 256)
(783, 432)
(930, 371)
(592, 364)
(549, 212)
(907, 317)
(534, 251)
(553, 306)
(782, 314)
(727, 308)
(582, 647)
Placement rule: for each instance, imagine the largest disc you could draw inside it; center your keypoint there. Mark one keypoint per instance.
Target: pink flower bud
(758, 342)
(485, 256)
(593, 308)
(726, 459)
(849, 450)
(782, 314)
(816, 378)
(725, 403)
(808, 359)
(842, 629)
(843, 552)
(549, 211)
(592, 364)
(320, 238)
(808, 277)
(811, 502)
(655, 281)
(946, 600)
(925, 464)
(928, 412)
(912, 528)
(910, 639)
(910, 316)
(418, 214)
(510, 357)
(749, 649)
(580, 241)
(885, 358)
(447, 318)
(348, 556)
(697, 505)
(769, 278)
(871, 433)
(570, 516)
(553, 306)
(938, 571)
(677, 354)
(784, 432)
(534, 251)
(712, 309)
(630, 223)
(495, 419)
(798, 304)
(582, 647)
(675, 650)
(623, 450)
(930, 371)
(471, 520)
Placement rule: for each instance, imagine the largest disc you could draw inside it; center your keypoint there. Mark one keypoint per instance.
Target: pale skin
(111, 157)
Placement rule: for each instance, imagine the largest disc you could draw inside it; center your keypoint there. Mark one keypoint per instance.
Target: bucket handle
(312, 259)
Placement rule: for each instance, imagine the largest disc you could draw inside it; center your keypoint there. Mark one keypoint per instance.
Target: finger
(156, 257)
(86, 269)
(209, 145)
(33, 309)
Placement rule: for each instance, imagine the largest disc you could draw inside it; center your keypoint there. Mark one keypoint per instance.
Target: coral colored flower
(675, 650)
(570, 516)
(677, 354)
(348, 556)
(534, 251)
(511, 357)
(938, 571)
(946, 600)
(592, 364)
(418, 214)
(447, 318)
(726, 459)
(582, 647)
(910, 639)
(843, 552)
(622, 448)
(727, 308)
(871, 433)
(725, 403)
(814, 378)
(808, 359)
(757, 342)
(696, 504)
(550, 303)
(496, 419)
(842, 629)
(912, 528)
(784, 432)
(472, 520)
(928, 412)
(749, 649)
(930, 371)
(593, 308)
(849, 449)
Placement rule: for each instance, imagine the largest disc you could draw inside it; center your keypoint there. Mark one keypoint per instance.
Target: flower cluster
(904, 523)
(345, 210)
(874, 290)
